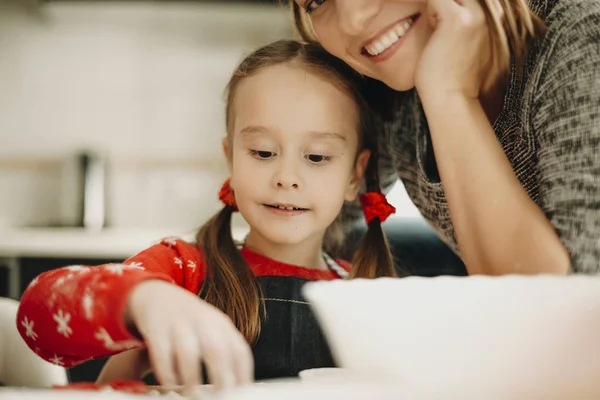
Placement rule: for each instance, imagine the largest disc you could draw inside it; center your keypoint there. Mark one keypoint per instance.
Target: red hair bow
(375, 205)
(227, 195)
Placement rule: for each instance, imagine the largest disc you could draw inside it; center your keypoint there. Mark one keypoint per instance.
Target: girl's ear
(358, 175)
(227, 152)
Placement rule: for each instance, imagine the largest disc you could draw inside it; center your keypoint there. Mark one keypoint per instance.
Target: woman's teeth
(390, 37)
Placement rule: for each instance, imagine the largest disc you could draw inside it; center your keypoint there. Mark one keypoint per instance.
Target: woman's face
(382, 39)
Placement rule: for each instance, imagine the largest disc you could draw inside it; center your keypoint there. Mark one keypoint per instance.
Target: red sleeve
(73, 314)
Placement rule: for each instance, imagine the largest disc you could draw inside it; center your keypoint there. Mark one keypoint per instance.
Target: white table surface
(293, 389)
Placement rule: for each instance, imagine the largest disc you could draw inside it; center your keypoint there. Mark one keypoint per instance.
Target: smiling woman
(512, 27)
(489, 114)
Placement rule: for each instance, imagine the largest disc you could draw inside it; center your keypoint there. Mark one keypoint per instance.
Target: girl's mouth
(285, 207)
(285, 210)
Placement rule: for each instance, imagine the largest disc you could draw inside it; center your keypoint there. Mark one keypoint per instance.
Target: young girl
(296, 150)
(492, 110)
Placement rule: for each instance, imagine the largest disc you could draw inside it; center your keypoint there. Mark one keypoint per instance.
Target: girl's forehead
(284, 87)
(291, 83)
(292, 101)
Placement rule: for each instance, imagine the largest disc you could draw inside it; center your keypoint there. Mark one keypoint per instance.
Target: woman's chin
(400, 85)
(398, 75)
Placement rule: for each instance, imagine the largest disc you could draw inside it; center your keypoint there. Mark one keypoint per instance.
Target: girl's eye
(317, 158)
(262, 155)
(312, 5)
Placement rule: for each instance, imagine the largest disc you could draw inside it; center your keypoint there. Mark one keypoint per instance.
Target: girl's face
(292, 151)
(382, 39)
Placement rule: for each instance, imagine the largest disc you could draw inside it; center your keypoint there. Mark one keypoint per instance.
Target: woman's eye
(317, 158)
(262, 155)
(312, 5)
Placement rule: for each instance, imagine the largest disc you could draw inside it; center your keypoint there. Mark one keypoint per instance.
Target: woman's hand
(181, 330)
(457, 56)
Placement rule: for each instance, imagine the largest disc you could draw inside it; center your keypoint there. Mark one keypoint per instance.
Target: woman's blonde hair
(512, 28)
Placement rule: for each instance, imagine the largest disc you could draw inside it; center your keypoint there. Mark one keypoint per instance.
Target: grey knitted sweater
(549, 129)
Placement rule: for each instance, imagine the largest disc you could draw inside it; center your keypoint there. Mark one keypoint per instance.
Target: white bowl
(484, 337)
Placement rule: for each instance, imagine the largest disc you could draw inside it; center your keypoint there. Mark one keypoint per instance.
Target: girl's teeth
(287, 208)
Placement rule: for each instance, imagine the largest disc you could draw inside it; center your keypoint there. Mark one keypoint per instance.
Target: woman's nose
(354, 15)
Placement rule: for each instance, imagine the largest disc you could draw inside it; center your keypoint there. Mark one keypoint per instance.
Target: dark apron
(290, 339)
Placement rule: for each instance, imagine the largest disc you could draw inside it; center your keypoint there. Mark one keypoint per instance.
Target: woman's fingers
(475, 5)
(441, 9)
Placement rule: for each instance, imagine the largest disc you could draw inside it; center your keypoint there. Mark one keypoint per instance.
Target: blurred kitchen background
(111, 119)
(138, 83)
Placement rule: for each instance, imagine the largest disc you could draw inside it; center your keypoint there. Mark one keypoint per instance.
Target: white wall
(142, 82)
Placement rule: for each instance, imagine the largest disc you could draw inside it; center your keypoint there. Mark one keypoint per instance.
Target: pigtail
(229, 285)
(373, 258)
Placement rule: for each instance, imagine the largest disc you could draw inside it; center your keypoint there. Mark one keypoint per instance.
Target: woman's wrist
(443, 101)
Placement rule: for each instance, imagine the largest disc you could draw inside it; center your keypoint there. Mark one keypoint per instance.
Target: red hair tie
(227, 195)
(375, 205)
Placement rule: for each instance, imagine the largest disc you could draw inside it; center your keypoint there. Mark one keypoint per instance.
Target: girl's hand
(181, 330)
(130, 365)
(457, 56)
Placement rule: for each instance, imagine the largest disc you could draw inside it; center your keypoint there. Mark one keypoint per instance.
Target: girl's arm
(131, 365)
(73, 314)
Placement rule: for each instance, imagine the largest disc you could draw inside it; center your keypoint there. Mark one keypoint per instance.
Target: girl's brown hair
(512, 27)
(230, 285)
